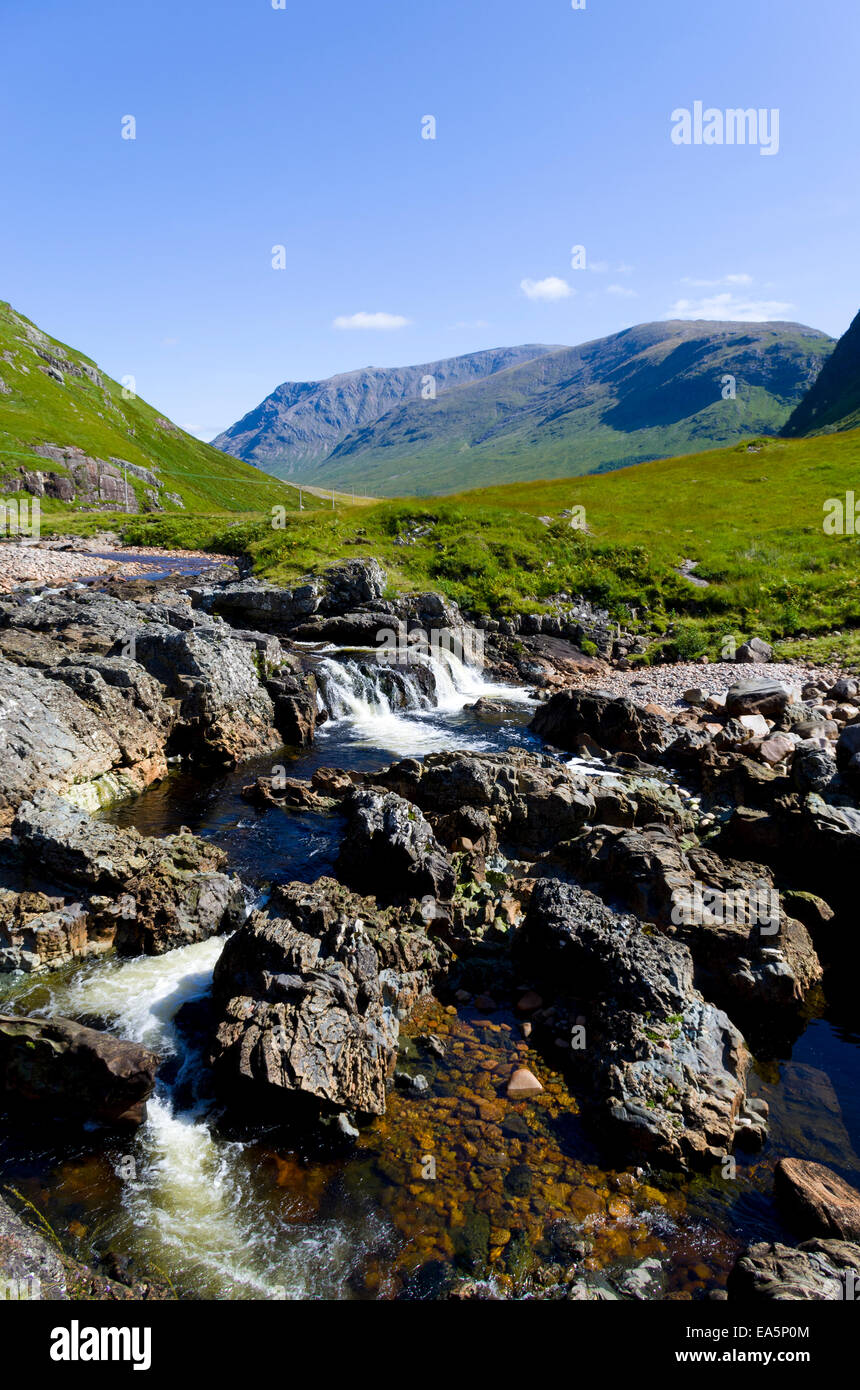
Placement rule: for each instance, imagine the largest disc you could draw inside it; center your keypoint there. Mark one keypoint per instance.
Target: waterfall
(407, 707)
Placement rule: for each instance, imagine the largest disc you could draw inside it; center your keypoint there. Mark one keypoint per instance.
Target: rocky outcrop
(619, 726)
(389, 850)
(666, 1070)
(817, 1270)
(308, 1003)
(141, 894)
(748, 950)
(62, 1070)
(816, 1201)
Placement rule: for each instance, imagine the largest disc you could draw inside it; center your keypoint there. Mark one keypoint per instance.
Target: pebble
(522, 1084)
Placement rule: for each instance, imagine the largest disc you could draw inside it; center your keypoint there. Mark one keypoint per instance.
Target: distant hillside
(68, 436)
(833, 402)
(301, 422)
(650, 392)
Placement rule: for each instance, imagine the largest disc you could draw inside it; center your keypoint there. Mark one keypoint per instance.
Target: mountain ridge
(651, 391)
(832, 403)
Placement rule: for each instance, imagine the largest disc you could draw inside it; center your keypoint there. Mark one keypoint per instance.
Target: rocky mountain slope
(302, 422)
(833, 402)
(649, 392)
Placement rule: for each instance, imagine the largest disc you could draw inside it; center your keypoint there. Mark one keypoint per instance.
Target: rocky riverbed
(509, 1018)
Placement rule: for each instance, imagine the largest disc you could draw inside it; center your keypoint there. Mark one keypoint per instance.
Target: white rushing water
(194, 1205)
(402, 709)
(207, 1211)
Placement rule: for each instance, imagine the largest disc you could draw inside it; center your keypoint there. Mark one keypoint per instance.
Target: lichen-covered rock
(666, 1070)
(308, 1004)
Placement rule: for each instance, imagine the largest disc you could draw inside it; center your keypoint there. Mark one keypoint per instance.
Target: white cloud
(549, 289)
(730, 306)
(622, 290)
(374, 321)
(598, 267)
(725, 280)
(624, 269)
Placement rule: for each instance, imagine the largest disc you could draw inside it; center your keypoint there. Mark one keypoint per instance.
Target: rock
(157, 894)
(694, 696)
(250, 603)
(619, 725)
(816, 1201)
(308, 1004)
(756, 650)
(754, 725)
(667, 1071)
(750, 952)
(812, 769)
(523, 1084)
(845, 689)
(30, 1265)
(645, 1282)
(389, 850)
(65, 1070)
(818, 1270)
(776, 749)
(848, 746)
(529, 1002)
(767, 697)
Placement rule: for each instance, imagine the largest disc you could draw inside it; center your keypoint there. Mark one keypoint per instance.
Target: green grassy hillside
(53, 399)
(651, 392)
(750, 517)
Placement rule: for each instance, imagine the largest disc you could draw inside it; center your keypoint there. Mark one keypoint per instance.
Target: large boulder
(390, 851)
(144, 895)
(66, 1071)
(766, 697)
(308, 1004)
(252, 603)
(614, 724)
(755, 650)
(816, 1201)
(817, 1270)
(748, 951)
(667, 1070)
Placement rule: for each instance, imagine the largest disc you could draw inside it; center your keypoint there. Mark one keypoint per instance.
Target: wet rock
(78, 1074)
(389, 850)
(667, 1070)
(523, 1085)
(818, 1270)
(159, 894)
(308, 1004)
(646, 1281)
(816, 1201)
(616, 724)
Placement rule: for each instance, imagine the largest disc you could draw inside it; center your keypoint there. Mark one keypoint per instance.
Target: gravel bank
(665, 685)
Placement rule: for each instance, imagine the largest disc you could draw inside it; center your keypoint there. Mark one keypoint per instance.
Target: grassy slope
(750, 516)
(38, 410)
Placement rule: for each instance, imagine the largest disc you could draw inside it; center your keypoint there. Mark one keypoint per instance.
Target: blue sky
(259, 127)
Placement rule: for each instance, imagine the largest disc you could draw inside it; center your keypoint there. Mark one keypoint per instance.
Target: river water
(219, 1216)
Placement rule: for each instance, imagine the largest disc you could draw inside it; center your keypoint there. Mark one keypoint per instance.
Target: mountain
(650, 392)
(302, 422)
(69, 436)
(833, 402)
